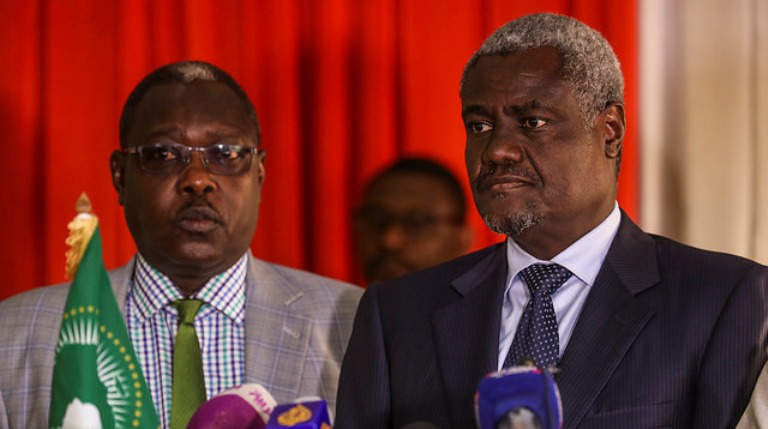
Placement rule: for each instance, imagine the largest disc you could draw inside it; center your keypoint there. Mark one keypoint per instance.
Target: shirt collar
(224, 292)
(583, 258)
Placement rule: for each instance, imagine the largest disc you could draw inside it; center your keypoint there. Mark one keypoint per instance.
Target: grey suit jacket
(296, 331)
(669, 337)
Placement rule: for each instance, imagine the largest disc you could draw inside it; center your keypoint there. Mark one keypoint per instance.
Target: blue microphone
(301, 415)
(519, 397)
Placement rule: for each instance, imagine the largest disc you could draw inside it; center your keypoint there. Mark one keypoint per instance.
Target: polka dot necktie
(536, 338)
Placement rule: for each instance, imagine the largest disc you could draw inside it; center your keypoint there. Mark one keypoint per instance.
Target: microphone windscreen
(512, 389)
(300, 415)
(247, 406)
(420, 425)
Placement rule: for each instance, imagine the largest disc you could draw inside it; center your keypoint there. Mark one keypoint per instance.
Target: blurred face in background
(408, 222)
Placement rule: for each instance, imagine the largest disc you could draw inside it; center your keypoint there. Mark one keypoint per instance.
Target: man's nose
(504, 146)
(195, 177)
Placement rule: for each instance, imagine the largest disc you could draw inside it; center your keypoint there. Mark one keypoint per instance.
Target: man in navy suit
(650, 332)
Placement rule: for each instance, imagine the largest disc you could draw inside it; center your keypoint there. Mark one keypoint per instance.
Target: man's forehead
(165, 107)
(203, 100)
(174, 95)
(408, 190)
(539, 61)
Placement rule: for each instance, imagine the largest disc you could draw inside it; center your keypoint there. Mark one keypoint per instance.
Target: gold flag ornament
(97, 380)
(81, 229)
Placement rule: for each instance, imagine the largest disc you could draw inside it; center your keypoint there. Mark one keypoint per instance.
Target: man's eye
(160, 153)
(533, 123)
(480, 127)
(226, 152)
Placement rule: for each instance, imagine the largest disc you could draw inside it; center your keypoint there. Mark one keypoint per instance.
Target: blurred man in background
(412, 216)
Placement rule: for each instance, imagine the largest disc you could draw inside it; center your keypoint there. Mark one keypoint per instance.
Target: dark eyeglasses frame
(185, 152)
(414, 225)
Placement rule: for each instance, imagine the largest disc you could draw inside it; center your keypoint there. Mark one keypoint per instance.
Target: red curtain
(341, 87)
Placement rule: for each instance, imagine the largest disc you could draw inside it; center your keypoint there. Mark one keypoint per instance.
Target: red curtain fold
(341, 87)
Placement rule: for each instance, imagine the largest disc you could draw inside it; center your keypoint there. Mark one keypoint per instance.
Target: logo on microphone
(294, 415)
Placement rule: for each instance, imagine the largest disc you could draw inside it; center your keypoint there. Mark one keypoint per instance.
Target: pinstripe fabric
(669, 337)
(296, 329)
(152, 324)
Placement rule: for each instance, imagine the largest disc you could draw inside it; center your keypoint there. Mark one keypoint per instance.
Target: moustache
(497, 173)
(198, 211)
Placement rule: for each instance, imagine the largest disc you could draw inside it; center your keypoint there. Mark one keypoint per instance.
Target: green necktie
(188, 384)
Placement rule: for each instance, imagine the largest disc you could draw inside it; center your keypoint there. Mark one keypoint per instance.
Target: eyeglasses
(221, 158)
(413, 224)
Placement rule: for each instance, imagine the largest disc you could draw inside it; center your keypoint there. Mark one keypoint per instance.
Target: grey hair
(184, 72)
(590, 66)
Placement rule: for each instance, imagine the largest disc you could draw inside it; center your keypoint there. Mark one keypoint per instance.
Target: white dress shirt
(583, 258)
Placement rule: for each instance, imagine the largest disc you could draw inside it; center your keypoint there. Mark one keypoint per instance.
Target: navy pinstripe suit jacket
(669, 337)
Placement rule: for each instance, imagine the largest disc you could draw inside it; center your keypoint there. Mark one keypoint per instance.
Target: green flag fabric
(97, 381)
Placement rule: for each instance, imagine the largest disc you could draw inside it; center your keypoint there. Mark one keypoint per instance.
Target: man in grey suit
(189, 176)
(644, 332)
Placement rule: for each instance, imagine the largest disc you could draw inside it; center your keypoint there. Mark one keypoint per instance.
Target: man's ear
(117, 168)
(614, 127)
(262, 157)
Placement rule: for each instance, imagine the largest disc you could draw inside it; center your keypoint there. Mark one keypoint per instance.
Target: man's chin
(196, 258)
(511, 224)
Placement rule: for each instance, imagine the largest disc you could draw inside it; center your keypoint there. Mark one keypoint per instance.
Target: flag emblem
(97, 381)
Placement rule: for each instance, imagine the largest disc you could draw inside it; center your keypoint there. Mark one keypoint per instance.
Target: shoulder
(643, 259)
(680, 258)
(274, 284)
(312, 283)
(449, 271)
(433, 287)
(39, 305)
(45, 305)
(29, 328)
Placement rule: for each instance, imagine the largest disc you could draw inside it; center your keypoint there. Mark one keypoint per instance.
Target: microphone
(247, 406)
(420, 425)
(301, 415)
(523, 397)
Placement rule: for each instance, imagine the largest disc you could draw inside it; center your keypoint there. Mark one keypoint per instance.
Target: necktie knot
(536, 338)
(188, 309)
(545, 278)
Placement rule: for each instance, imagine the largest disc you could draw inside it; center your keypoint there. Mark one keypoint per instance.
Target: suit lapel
(467, 330)
(121, 280)
(276, 337)
(609, 322)
(272, 328)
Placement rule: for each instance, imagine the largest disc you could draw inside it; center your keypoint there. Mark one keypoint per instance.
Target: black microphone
(420, 425)
(521, 397)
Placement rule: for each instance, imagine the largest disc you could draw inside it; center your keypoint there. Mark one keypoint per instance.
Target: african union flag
(97, 381)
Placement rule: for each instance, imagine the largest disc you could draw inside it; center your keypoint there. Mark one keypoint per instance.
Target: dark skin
(190, 225)
(392, 252)
(529, 154)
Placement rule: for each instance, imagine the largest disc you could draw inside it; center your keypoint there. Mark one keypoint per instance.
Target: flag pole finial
(81, 229)
(83, 204)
